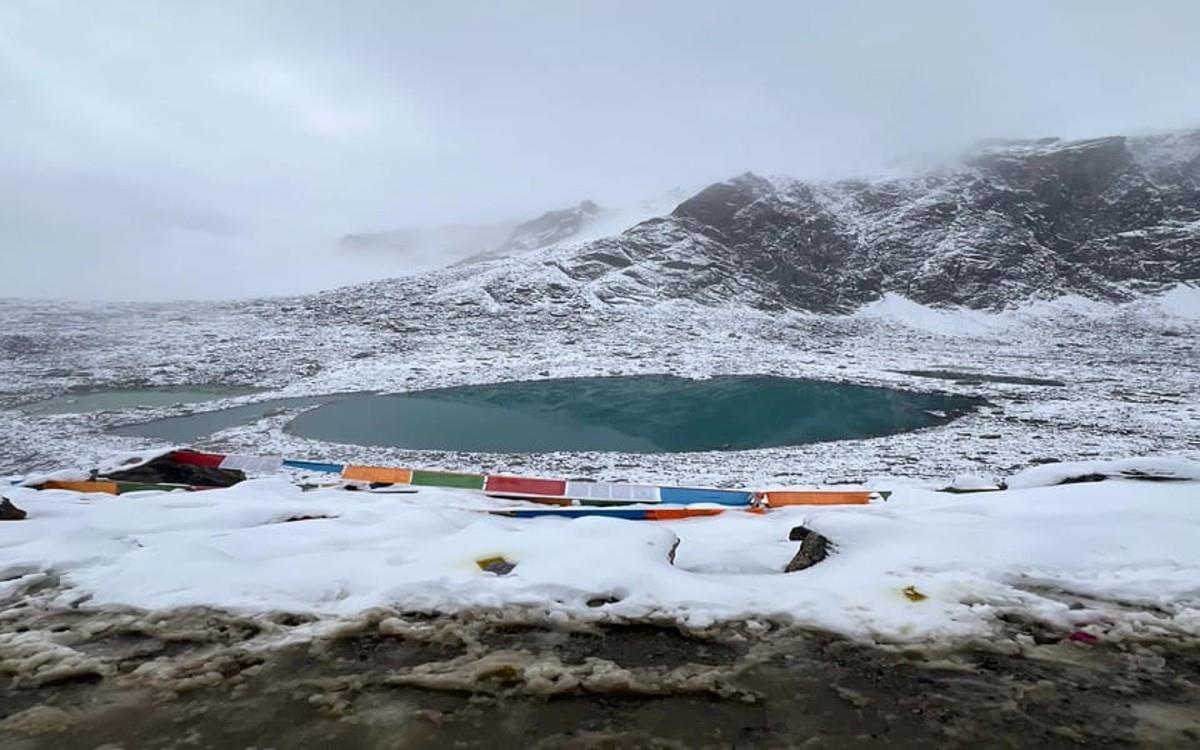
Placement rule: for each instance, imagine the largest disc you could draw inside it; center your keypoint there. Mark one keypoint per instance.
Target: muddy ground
(73, 679)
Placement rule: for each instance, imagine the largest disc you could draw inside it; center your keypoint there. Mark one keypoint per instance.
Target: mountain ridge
(1016, 221)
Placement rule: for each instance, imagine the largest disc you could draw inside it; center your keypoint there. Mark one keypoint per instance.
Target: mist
(215, 150)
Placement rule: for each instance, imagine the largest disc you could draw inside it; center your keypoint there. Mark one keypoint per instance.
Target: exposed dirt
(204, 679)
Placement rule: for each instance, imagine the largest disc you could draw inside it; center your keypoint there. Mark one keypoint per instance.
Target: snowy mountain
(1015, 221)
(427, 247)
(551, 228)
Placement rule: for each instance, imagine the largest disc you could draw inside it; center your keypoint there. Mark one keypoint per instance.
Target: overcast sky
(161, 149)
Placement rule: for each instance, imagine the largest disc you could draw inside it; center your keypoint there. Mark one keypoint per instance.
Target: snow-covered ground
(1131, 374)
(1131, 377)
(1113, 560)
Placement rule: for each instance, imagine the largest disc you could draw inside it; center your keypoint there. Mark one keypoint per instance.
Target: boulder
(814, 548)
(10, 512)
(165, 470)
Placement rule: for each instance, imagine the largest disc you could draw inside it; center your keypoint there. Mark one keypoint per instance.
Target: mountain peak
(717, 204)
(549, 229)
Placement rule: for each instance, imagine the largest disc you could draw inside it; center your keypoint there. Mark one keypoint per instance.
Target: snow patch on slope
(1182, 301)
(897, 309)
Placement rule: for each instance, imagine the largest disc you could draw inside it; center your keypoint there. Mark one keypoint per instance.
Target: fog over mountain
(215, 150)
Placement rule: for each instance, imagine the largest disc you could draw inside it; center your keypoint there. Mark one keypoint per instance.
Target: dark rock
(814, 548)
(1152, 476)
(600, 601)
(975, 378)
(798, 534)
(163, 470)
(10, 512)
(1084, 478)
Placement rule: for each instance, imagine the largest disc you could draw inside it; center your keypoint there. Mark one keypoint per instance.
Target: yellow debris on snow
(497, 564)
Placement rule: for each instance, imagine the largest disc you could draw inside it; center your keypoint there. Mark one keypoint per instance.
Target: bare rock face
(10, 512)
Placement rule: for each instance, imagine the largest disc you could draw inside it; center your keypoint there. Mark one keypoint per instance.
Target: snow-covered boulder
(1163, 469)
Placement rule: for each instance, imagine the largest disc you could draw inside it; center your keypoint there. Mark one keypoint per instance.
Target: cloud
(138, 137)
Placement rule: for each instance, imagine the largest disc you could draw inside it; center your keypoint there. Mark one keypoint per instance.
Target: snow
(1181, 301)
(899, 309)
(1113, 549)
(971, 482)
(60, 475)
(1056, 473)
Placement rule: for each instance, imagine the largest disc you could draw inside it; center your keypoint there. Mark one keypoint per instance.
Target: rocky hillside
(1014, 221)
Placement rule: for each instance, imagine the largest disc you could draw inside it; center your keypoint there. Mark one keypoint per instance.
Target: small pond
(82, 402)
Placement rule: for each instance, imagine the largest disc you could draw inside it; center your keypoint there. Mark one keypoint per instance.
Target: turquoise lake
(643, 414)
(639, 414)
